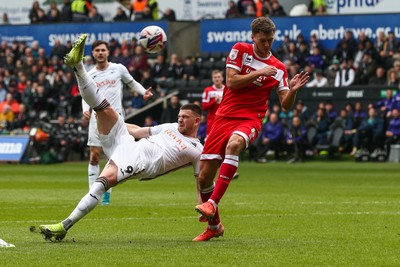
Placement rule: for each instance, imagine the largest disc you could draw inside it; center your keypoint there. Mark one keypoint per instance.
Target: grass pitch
(312, 214)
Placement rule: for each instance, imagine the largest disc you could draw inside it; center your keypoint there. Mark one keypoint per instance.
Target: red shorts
(222, 130)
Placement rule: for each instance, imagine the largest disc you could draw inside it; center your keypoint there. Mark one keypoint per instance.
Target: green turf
(275, 214)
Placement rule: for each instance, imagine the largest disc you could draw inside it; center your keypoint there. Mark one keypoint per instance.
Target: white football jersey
(171, 150)
(110, 83)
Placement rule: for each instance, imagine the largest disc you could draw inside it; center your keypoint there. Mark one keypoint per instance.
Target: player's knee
(235, 145)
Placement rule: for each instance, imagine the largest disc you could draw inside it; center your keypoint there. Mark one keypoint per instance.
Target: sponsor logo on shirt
(105, 83)
(180, 143)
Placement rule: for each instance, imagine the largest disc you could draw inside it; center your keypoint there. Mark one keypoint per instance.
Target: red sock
(206, 196)
(227, 170)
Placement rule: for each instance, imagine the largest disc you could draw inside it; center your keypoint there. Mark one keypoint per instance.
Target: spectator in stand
(250, 11)
(137, 102)
(242, 6)
(393, 130)
(94, 15)
(316, 59)
(5, 20)
(370, 49)
(169, 15)
(345, 122)
(379, 78)
(120, 15)
(344, 52)
(6, 118)
(125, 58)
(153, 6)
(170, 113)
(11, 103)
(319, 79)
(348, 50)
(314, 6)
(276, 9)
(15, 95)
(80, 10)
(366, 70)
(291, 53)
(146, 16)
(271, 138)
(321, 122)
(201, 132)
(232, 11)
(137, 9)
(53, 15)
(385, 105)
(303, 55)
(3, 89)
(66, 11)
(36, 13)
(363, 38)
(139, 63)
(345, 76)
(391, 47)
(359, 114)
(59, 50)
(330, 111)
(283, 47)
(190, 70)
(296, 140)
(392, 78)
(160, 69)
(315, 43)
(369, 134)
(358, 57)
(149, 121)
(22, 119)
(381, 44)
(302, 110)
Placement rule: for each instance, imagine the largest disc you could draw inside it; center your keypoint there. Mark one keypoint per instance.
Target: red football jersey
(251, 100)
(210, 104)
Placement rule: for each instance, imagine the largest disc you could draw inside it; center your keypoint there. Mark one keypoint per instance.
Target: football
(153, 39)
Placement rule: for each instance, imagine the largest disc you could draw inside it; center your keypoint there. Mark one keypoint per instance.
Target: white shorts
(121, 147)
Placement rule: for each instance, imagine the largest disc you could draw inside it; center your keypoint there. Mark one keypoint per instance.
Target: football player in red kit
(252, 73)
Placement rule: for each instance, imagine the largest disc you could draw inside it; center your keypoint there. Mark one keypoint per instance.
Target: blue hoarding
(12, 148)
(220, 35)
(47, 34)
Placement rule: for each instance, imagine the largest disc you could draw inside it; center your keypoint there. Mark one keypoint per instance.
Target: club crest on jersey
(248, 60)
(233, 54)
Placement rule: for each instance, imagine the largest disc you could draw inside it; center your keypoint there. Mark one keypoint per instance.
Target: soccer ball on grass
(153, 39)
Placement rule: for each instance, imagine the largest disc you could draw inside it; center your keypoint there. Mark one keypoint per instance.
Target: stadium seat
(205, 82)
(334, 142)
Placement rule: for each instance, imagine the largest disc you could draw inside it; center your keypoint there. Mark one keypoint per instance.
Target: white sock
(87, 203)
(87, 87)
(93, 173)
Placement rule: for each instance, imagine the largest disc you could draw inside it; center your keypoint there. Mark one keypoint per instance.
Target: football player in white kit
(161, 149)
(110, 79)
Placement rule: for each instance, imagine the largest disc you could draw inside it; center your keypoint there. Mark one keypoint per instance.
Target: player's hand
(269, 71)
(299, 80)
(148, 94)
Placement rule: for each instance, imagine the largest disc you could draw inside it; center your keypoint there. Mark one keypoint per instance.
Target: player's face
(262, 43)
(217, 79)
(188, 122)
(101, 53)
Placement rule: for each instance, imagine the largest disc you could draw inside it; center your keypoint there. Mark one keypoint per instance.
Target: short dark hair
(193, 107)
(262, 24)
(100, 42)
